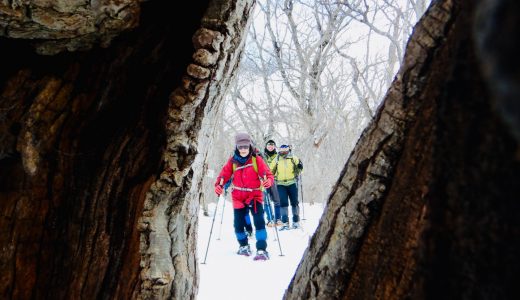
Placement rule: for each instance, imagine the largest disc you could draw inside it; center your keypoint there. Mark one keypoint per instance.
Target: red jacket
(245, 178)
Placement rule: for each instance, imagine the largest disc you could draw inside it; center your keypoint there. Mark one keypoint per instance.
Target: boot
(285, 226)
(244, 250)
(261, 255)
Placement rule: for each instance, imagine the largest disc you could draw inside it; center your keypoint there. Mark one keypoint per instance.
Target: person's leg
(267, 207)
(273, 192)
(260, 232)
(248, 226)
(284, 203)
(292, 191)
(239, 223)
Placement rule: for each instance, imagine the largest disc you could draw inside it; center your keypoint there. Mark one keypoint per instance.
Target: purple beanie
(242, 139)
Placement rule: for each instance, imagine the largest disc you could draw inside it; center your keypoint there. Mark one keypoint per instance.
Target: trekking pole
(211, 230)
(221, 218)
(301, 190)
(275, 228)
(269, 210)
(270, 217)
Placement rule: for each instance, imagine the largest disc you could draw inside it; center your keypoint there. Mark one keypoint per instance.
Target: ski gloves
(219, 190)
(266, 183)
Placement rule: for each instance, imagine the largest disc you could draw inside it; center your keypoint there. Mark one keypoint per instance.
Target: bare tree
(313, 74)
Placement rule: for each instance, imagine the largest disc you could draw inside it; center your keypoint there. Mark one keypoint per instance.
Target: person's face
(270, 146)
(243, 150)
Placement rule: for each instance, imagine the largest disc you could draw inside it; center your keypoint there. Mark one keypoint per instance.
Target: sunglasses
(270, 144)
(243, 147)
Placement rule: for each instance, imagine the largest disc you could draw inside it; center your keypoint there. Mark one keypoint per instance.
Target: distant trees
(312, 75)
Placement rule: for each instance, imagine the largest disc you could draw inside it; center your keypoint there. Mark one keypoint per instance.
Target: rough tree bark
(97, 147)
(426, 206)
(168, 239)
(67, 25)
(93, 185)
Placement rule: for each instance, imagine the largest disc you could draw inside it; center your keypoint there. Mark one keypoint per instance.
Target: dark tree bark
(427, 204)
(96, 150)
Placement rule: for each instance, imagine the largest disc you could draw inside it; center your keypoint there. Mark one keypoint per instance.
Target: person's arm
(272, 164)
(223, 177)
(299, 164)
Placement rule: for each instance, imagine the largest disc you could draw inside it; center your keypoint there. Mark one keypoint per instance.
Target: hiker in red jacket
(250, 176)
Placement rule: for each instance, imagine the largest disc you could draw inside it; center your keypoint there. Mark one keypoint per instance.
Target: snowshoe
(244, 250)
(279, 222)
(296, 225)
(285, 226)
(261, 255)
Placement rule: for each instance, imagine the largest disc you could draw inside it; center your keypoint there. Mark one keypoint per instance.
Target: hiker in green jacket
(286, 167)
(269, 155)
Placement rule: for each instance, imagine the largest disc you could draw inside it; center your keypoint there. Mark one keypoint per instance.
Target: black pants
(289, 193)
(258, 219)
(275, 198)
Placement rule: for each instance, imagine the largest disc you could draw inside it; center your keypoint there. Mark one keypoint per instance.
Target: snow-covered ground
(226, 275)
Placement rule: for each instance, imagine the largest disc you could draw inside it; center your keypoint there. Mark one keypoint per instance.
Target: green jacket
(284, 168)
(269, 159)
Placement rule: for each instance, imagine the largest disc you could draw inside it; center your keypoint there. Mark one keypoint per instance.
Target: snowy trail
(229, 276)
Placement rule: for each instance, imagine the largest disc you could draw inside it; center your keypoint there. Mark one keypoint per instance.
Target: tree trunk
(95, 190)
(426, 206)
(96, 155)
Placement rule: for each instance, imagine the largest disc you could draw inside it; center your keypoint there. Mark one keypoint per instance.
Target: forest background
(312, 75)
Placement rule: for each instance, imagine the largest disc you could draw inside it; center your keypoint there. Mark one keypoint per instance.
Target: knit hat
(242, 139)
(270, 141)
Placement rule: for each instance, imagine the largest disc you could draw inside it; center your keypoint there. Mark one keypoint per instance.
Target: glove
(218, 190)
(266, 183)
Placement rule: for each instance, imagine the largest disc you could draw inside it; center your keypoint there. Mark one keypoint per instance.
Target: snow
(226, 275)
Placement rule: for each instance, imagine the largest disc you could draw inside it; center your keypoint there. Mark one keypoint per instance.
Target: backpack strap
(276, 159)
(296, 168)
(254, 164)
